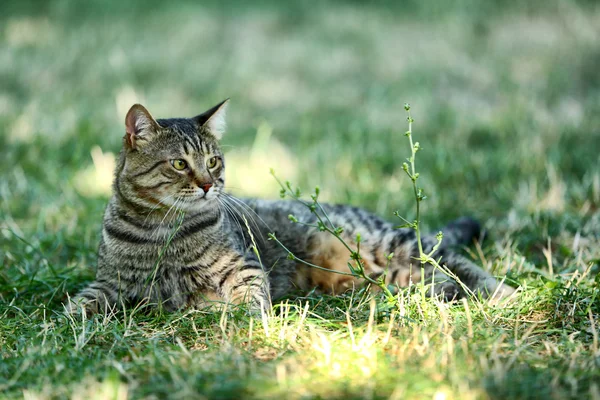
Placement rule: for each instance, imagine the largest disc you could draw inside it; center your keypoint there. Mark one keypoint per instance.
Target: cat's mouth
(198, 200)
(199, 194)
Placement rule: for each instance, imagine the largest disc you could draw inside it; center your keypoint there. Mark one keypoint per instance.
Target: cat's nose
(206, 187)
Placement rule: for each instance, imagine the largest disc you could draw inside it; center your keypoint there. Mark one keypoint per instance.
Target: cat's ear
(139, 126)
(214, 119)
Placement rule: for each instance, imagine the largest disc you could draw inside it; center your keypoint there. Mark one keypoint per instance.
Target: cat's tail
(461, 232)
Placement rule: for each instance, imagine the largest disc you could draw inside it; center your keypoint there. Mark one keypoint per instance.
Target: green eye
(179, 165)
(211, 162)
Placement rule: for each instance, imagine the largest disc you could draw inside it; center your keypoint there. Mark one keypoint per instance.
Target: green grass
(505, 97)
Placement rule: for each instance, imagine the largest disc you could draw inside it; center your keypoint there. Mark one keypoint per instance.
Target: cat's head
(172, 162)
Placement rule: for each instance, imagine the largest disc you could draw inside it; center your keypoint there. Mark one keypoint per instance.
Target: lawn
(506, 101)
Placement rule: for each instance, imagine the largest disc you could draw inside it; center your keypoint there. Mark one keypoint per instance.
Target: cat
(173, 237)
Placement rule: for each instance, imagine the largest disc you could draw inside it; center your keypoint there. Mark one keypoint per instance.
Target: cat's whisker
(247, 207)
(156, 232)
(231, 212)
(250, 213)
(250, 223)
(160, 202)
(235, 214)
(232, 188)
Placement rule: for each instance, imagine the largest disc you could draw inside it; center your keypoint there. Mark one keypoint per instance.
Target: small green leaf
(352, 269)
(551, 284)
(403, 226)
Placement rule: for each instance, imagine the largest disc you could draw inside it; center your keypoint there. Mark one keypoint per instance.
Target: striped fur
(173, 237)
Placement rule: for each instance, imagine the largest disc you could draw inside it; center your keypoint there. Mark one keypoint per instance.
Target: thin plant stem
(293, 257)
(414, 176)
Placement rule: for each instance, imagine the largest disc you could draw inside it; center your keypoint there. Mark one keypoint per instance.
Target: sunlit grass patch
(246, 173)
(466, 350)
(96, 180)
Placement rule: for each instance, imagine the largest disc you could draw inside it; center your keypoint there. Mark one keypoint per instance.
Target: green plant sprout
(410, 169)
(419, 197)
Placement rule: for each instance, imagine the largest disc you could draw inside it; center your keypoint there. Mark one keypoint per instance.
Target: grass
(505, 99)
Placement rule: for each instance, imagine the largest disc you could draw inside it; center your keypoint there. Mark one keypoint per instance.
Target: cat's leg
(442, 280)
(441, 285)
(244, 282)
(405, 268)
(410, 272)
(480, 282)
(98, 297)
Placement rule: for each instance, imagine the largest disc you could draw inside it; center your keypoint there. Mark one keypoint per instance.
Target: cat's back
(279, 215)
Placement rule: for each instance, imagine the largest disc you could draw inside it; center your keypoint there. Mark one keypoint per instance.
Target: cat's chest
(184, 252)
(185, 261)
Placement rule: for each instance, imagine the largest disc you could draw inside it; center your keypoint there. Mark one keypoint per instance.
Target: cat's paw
(502, 295)
(77, 307)
(446, 291)
(259, 308)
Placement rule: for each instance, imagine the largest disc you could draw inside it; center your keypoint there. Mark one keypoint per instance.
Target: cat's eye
(212, 162)
(179, 164)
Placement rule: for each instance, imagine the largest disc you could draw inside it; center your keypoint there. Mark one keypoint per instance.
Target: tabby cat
(173, 236)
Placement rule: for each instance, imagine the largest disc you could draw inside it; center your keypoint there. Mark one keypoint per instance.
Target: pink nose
(206, 187)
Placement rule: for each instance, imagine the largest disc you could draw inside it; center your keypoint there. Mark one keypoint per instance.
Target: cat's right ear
(139, 126)
(214, 119)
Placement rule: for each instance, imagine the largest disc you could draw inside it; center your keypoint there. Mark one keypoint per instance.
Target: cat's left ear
(140, 126)
(214, 119)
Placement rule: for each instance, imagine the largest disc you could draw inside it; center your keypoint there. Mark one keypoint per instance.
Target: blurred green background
(505, 94)
(506, 99)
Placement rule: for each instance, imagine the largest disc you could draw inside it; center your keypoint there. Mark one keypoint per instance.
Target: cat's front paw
(501, 294)
(446, 291)
(78, 307)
